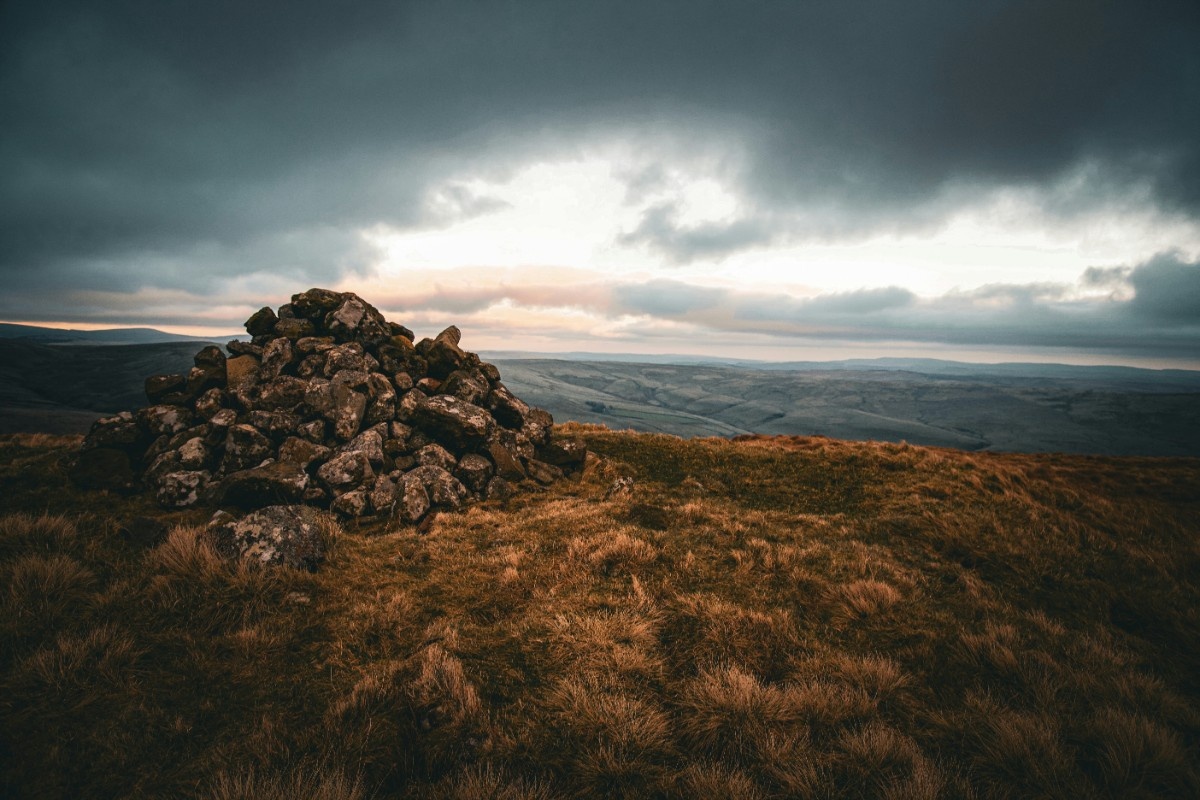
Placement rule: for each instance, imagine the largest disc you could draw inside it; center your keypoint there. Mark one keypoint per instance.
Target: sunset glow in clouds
(1004, 181)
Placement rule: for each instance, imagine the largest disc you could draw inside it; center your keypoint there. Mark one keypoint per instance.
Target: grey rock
(283, 393)
(313, 430)
(381, 406)
(159, 387)
(443, 354)
(209, 403)
(384, 494)
(499, 489)
(295, 450)
(209, 356)
(194, 454)
(311, 366)
(566, 453)
(164, 420)
(412, 499)
(508, 409)
(294, 328)
(120, 432)
(240, 348)
(277, 482)
(278, 535)
(437, 456)
(542, 472)
(275, 424)
(318, 397)
(223, 419)
(408, 405)
(315, 344)
(474, 471)
(261, 322)
(245, 447)
(345, 472)
(508, 463)
(315, 303)
(491, 372)
(403, 381)
(278, 355)
(444, 489)
(468, 385)
(458, 425)
(369, 443)
(538, 426)
(201, 379)
(344, 356)
(181, 489)
(355, 503)
(349, 407)
(357, 319)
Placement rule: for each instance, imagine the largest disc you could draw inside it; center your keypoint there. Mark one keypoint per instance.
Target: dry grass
(311, 784)
(774, 618)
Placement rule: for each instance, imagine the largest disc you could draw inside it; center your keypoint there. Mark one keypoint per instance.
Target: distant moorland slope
(1026, 408)
(1009, 407)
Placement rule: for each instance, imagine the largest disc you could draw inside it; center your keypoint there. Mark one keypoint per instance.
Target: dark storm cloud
(137, 133)
(659, 229)
(1167, 290)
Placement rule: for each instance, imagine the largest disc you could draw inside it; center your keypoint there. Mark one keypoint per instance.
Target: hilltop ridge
(798, 617)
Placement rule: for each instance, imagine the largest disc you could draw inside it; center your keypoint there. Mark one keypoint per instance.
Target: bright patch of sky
(570, 216)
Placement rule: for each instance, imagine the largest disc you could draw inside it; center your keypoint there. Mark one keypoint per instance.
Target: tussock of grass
(312, 784)
(25, 533)
(485, 782)
(797, 617)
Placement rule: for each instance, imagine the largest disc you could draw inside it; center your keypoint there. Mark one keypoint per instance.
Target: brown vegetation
(766, 618)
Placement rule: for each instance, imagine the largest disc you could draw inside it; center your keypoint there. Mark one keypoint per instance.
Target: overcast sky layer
(983, 180)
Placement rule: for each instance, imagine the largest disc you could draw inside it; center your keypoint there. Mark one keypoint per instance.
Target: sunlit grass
(763, 619)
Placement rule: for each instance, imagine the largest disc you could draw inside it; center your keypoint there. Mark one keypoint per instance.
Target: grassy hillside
(1009, 407)
(65, 388)
(762, 618)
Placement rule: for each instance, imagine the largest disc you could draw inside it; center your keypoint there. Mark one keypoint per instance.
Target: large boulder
(566, 453)
(119, 432)
(261, 322)
(181, 489)
(455, 423)
(269, 484)
(412, 499)
(346, 472)
(445, 490)
(278, 535)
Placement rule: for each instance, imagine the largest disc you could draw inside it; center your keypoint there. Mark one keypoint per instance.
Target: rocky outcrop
(331, 405)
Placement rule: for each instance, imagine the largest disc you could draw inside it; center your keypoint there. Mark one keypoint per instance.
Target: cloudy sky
(805, 179)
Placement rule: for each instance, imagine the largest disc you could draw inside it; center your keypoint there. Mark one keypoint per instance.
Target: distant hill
(57, 389)
(48, 387)
(1011, 407)
(109, 336)
(1149, 379)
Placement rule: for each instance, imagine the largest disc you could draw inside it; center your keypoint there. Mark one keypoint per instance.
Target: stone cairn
(329, 405)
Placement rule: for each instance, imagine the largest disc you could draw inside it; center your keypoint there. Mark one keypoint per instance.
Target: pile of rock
(330, 405)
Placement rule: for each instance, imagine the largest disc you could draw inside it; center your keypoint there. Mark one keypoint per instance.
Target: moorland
(63, 388)
(767, 617)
